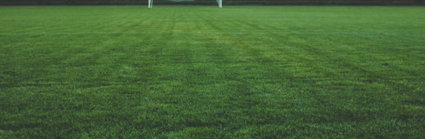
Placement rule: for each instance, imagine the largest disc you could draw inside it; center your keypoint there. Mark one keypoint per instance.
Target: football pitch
(205, 72)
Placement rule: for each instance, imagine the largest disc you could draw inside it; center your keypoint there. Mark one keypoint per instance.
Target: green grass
(204, 72)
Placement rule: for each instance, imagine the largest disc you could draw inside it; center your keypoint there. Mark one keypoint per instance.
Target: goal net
(184, 2)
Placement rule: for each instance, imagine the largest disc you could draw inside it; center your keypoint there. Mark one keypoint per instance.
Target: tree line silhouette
(213, 2)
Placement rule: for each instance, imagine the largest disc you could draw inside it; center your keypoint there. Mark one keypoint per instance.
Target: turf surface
(204, 72)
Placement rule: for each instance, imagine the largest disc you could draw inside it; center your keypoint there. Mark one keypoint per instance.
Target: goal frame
(220, 3)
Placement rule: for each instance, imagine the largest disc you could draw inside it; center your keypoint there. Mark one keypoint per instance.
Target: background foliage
(211, 2)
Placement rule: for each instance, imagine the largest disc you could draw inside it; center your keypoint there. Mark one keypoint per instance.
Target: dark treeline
(213, 2)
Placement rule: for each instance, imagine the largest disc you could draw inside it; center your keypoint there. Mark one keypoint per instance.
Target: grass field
(204, 72)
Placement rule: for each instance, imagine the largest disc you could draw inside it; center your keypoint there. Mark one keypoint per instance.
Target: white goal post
(219, 2)
(150, 3)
